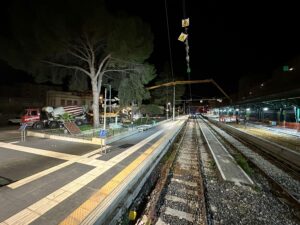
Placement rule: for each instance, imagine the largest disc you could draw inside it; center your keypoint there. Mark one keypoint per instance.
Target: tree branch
(68, 67)
(77, 56)
(90, 47)
(101, 65)
(115, 70)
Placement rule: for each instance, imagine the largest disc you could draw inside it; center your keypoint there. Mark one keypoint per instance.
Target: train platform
(259, 125)
(59, 182)
(276, 129)
(227, 166)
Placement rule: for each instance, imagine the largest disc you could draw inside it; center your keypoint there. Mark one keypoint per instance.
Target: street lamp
(167, 110)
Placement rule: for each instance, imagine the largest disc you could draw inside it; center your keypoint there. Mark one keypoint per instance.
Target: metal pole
(105, 93)
(174, 102)
(167, 110)
(109, 98)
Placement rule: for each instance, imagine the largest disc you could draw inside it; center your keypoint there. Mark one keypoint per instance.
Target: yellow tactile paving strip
(40, 207)
(77, 216)
(80, 159)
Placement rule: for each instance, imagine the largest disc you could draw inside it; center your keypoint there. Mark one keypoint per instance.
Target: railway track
(184, 200)
(283, 183)
(179, 194)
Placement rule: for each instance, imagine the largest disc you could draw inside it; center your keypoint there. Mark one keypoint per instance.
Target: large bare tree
(76, 40)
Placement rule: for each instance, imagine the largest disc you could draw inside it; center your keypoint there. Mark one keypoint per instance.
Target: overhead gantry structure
(173, 83)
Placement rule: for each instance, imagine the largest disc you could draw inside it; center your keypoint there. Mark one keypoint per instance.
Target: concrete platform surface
(56, 182)
(227, 166)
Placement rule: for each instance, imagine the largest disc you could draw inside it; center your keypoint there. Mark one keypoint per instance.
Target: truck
(49, 117)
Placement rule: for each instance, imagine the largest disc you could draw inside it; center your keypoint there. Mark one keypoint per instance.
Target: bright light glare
(266, 109)
(248, 109)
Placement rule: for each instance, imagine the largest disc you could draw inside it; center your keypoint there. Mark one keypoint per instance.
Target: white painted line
(37, 151)
(45, 204)
(40, 207)
(48, 171)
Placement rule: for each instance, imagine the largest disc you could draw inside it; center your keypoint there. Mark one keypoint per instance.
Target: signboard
(182, 37)
(102, 133)
(72, 128)
(23, 127)
(185, 22)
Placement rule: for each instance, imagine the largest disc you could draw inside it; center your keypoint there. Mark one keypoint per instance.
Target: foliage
(132, 85)
(163, 95)
(244, 164)
(66, 117)
(151, 110)
(79, 42)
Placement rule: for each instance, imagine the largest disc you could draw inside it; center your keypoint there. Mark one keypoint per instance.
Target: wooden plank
(72, 128)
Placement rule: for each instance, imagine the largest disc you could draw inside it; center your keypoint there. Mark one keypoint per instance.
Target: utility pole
(174, 102)
(167, 110)
(104, 116)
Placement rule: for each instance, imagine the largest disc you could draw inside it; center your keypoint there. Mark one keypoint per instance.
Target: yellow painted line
(80, 159)
(76, 217)
(40, 207)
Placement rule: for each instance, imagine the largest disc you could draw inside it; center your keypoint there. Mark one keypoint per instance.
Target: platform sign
(102, 133)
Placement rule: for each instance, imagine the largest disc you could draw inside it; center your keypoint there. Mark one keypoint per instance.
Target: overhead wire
(170, 54)
(187, 48)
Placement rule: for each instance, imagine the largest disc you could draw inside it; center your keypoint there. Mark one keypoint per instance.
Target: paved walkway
(226, 164)
(69, 189)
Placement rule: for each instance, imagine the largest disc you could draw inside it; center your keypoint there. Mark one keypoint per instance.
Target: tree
(151, 110)
(78, 41)
(163, 95)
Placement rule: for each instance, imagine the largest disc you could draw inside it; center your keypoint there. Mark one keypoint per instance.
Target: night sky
(227, 40)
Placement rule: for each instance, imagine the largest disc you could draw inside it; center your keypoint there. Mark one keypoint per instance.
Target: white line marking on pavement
(50, 170)
(45, 204)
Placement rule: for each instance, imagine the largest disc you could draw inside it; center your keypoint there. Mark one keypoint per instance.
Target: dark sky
(227, 39)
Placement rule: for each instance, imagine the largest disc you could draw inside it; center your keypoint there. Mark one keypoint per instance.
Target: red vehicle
(52, 118)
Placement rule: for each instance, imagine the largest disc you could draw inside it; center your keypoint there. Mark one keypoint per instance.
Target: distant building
(61, 98)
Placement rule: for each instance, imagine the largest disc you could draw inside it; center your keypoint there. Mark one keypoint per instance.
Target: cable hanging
(184, 38)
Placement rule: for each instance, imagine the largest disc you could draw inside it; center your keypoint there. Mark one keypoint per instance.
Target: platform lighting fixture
(248, 109)
(201, 101)
(266, 109)
(237, 110)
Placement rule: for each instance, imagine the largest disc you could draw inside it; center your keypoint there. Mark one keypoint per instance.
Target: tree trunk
(95, 103)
